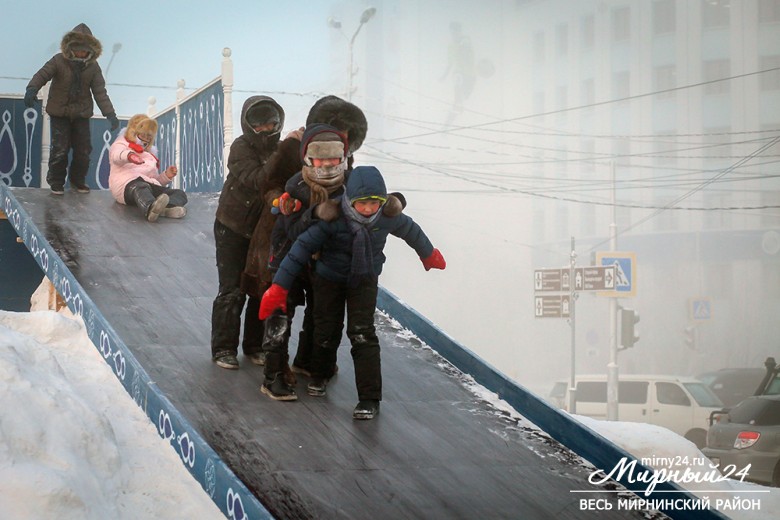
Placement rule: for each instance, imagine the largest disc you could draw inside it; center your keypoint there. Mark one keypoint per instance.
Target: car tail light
(746, 440)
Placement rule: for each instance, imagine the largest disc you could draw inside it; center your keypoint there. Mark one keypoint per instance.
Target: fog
(503, 123)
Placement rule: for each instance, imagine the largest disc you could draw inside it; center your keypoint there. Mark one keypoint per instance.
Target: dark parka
(74, 83)
(332, 110)
(333, 239)
(254, 163)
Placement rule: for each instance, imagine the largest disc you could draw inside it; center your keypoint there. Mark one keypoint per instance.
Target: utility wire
(582, 107)
(672, 204)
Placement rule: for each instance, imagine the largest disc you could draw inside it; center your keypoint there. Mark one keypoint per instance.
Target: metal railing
(194, 133)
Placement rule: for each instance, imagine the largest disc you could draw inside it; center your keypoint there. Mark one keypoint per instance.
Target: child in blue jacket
(346, 273)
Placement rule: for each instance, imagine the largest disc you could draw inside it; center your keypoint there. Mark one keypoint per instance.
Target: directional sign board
(552, 306)
(547, 280)
(625, 272)
(594, 278)
(600, 278)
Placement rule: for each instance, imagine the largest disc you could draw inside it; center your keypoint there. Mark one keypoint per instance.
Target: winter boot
(367, 409)
(142, 195)
(258, 358)
(174, 212)
(157, 207)
(226, 359)
(317, 386)
(277, 388)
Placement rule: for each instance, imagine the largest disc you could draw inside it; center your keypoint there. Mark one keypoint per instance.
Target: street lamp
(116, 48)
(367, 14)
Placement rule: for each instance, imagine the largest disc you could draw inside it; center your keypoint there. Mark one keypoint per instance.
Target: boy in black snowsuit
(346, 274)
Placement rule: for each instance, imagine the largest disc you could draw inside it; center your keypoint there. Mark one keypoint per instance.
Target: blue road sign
(625, 272)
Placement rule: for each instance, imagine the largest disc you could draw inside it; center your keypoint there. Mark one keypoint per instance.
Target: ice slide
(437, 450)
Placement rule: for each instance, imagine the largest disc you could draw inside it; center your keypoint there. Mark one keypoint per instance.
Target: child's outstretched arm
(434, 261)
(411, 232)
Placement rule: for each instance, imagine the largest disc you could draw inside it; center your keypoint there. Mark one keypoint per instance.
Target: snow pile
(73, 444)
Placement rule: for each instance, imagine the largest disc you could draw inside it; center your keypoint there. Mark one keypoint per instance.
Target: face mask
(330, 172)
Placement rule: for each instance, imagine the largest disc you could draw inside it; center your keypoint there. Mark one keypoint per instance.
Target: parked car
(681, 404)
(747, 437)
(733, 385)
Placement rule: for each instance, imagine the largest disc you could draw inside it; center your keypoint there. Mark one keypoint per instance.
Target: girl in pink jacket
(134, 178)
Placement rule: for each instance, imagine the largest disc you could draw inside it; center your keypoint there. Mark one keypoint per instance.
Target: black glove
(30, 97)
(113, 120)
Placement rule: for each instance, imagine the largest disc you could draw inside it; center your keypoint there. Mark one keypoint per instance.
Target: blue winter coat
(333, 240)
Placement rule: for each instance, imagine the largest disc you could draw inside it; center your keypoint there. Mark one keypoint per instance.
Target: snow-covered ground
(73, 444)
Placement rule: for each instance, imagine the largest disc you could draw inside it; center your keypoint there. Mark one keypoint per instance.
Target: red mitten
(134, 158)
(288, 205)
(274, 298)
(435, 261)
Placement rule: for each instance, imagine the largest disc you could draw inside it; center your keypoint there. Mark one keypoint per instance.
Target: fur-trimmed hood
(251, 101)
(81, 36)
(345, 116)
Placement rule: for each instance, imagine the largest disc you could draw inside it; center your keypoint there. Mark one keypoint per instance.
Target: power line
(581, 107)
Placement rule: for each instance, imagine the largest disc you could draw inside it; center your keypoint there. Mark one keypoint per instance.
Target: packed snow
(73, 443)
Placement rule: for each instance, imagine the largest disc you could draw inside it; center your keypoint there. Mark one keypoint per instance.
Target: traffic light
(690, 337)
(628, 336)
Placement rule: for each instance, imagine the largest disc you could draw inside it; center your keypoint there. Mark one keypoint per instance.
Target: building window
(663, 16)
(562, 93)
(769, 198)
(562, 40)
(664, 78)
(588, 92)
(664, 151)
(621, 24)
(539, 47)
(720, 280)
(768, 11)
(621, 84)
(770, 80)
(562, 223)
(715, 13)
(539, 103)
(717, 145)
(714, 70)
(588, 32)
(587, 220)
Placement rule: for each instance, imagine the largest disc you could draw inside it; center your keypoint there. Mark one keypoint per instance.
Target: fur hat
(81, 38)
(141, 124)
(322, 141)
(343, 115)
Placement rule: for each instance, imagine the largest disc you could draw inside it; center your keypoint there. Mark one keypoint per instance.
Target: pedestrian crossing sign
(700, 309)
(625, 272)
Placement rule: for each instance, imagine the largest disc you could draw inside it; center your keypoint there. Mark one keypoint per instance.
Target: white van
(680, 404)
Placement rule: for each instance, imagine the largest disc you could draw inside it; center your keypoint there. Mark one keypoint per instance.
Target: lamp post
(116, 48)
(367, 14)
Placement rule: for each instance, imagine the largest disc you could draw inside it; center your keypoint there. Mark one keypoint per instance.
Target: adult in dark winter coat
(75, 78)
(346, 274)
(253, 158)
